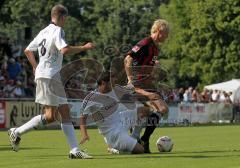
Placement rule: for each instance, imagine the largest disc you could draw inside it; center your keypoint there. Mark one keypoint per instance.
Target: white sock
(136, 132)
(70, 134)
(34, 122)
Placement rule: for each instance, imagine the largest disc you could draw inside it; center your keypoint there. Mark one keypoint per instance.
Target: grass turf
(194, 147)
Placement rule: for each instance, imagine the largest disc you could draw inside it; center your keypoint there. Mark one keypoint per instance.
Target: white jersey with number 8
(48, 42)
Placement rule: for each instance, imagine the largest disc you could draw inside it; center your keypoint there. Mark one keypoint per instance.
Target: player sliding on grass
(139, 64)
(51, 46)
(113, 119)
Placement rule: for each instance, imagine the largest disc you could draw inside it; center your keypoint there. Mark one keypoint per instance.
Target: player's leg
(127, 143)
(35, 122)
(152, 122)
(154, 100)
(68, 131)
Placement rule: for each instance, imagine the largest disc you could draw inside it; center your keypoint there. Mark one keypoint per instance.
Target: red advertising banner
(2, 114)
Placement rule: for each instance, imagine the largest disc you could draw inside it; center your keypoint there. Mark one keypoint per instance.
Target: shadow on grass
(179, 154)
(8, 148)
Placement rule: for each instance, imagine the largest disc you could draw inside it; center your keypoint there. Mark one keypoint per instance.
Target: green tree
(205, 39)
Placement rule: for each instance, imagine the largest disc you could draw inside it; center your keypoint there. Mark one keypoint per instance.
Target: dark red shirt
(144, 55)
(145, 52)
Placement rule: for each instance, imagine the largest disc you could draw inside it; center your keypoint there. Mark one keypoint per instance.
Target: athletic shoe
(14, 139)
(113, 151)
(79, 155)
(146, 147)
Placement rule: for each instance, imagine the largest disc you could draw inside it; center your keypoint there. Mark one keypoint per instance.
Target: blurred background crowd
(16, 77)
(193, 95)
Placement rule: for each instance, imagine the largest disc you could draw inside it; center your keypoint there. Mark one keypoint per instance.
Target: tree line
(203, 45)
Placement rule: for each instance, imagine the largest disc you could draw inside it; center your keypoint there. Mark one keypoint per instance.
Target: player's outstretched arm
(83, 129)
(31, 59)
(128, 68)
(69, 50)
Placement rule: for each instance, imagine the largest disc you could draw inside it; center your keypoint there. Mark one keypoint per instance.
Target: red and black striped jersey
(145, 52)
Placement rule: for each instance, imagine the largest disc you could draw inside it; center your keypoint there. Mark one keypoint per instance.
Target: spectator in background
(227, 99)
(30, 89)
(186, 96)
(206, 96)
(175, 95)
(230, 96)
(18, 91)
(196, 97)
(8, 89)
(180, 94)
(190, 90)
(2, 84)
(4, 63)
(13, 69)
(215, 96)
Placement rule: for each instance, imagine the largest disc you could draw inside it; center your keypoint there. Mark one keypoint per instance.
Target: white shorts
(119, 138)
(50, 92)
(121, 141)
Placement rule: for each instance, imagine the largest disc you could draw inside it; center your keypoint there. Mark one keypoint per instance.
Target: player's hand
(89, 46)
(84, 139)
(157, 62)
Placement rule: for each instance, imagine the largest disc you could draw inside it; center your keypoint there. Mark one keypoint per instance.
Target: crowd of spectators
(191, 95)
(16, 78)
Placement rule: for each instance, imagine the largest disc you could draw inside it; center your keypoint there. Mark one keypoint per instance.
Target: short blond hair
(59, 11)
(161, 25)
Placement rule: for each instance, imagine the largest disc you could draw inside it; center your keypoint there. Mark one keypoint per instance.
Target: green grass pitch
(194, 147)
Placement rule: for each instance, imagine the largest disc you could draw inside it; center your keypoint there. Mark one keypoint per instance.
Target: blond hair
(161, 25)
(59, 11)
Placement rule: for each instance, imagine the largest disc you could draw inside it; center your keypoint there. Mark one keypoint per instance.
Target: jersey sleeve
(137, 50)
(60, 39)
(33, 46)
(89, 106)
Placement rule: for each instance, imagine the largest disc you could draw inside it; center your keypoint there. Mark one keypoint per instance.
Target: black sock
(153, 120)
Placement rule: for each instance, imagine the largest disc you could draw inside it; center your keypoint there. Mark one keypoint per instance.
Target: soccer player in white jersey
(51, 47)
(113, 120)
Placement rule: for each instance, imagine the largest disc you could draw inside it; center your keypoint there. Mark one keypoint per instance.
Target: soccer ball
(164, 144)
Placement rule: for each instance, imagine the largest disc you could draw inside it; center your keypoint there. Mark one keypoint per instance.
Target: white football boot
(14, 139)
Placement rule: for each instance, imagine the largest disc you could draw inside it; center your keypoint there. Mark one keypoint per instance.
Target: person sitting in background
(2, 84)
(13, 69)
(8, 89)
(18, 91)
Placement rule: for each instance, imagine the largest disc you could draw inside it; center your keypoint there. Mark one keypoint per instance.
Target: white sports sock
(34, 122)
(70, 134)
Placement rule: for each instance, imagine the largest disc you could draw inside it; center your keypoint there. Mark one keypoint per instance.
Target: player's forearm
(31, 58)
(70, 50)
(77, 49)
(128, 68)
